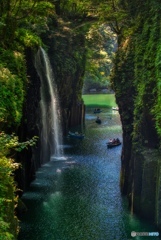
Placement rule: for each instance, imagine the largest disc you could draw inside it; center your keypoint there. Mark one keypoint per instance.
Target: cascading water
(51, 133)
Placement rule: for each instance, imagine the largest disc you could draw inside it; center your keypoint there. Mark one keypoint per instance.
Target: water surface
(78, 197)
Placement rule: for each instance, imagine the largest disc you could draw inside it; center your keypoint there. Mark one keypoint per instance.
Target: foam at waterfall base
(59, 158)
(65, 146)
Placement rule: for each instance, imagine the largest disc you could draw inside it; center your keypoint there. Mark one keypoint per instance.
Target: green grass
(99, 100)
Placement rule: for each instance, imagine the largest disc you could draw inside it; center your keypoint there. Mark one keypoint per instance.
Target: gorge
(79, 198)
(61, 28)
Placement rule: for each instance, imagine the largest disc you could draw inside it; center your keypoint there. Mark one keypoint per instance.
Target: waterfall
(51, 133)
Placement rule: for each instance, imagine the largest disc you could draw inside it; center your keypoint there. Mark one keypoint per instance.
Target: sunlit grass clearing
(99, 100)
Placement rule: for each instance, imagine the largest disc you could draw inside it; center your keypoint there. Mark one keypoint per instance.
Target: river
(82, 202)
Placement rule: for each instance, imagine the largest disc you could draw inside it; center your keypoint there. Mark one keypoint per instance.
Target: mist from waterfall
(51, 133)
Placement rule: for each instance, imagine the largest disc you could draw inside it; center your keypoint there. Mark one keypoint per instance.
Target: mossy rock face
(67, 53)
(149, 181)
(68, 61)
(21, 207)
(136, 81)
(145, 183)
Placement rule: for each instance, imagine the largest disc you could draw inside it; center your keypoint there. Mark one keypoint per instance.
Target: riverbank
(99, 100)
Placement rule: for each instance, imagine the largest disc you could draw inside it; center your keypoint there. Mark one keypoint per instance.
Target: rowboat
(113, 143)
(115, 108)
(76, 135)
(97, 110)
(98, 120)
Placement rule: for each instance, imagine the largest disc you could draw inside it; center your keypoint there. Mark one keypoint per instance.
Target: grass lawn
(99, 100)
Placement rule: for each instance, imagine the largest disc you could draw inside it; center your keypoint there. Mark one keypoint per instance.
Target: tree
(99, 56)
(15, 13)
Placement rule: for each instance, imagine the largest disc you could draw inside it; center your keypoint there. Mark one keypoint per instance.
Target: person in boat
(98, 120)
(96, 109)
(77, 133)
(113, 140)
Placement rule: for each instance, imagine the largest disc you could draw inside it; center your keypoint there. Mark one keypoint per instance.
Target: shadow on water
(78, 198)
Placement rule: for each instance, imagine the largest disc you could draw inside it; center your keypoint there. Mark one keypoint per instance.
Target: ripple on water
(32, 196)
(83, 202)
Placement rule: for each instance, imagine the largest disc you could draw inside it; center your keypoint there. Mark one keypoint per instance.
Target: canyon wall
(136, 81)
(66, 52)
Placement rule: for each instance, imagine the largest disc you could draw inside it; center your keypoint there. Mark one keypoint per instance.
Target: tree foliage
(18, 21)
(100, 56)
(11, 97)
(9, 144)
(21, 23)
(15, 13)
(8, 200)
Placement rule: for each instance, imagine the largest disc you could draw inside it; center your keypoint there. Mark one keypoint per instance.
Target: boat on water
(98, 120)
(113, 143)
(115, 108)
(97, 110)
(75, 135)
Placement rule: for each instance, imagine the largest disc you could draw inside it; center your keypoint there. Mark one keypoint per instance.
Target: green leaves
(11, 97)
(8, 200)
(15, 14)
(8, 142)
(27, 38)
(100, 44)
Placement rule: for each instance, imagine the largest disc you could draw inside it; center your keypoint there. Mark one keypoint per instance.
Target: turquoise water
(78, 197)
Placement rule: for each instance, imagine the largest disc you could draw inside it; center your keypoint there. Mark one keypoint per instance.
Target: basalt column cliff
(66, 51)
(136, 81)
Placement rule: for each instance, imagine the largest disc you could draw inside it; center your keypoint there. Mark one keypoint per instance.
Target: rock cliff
(66, 51)
(136, 81)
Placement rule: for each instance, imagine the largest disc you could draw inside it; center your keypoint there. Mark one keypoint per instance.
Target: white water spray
(51, 133)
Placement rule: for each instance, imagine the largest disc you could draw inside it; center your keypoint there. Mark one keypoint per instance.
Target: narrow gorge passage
(83, 202)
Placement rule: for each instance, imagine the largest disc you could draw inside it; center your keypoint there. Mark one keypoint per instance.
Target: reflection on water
(78, 198)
